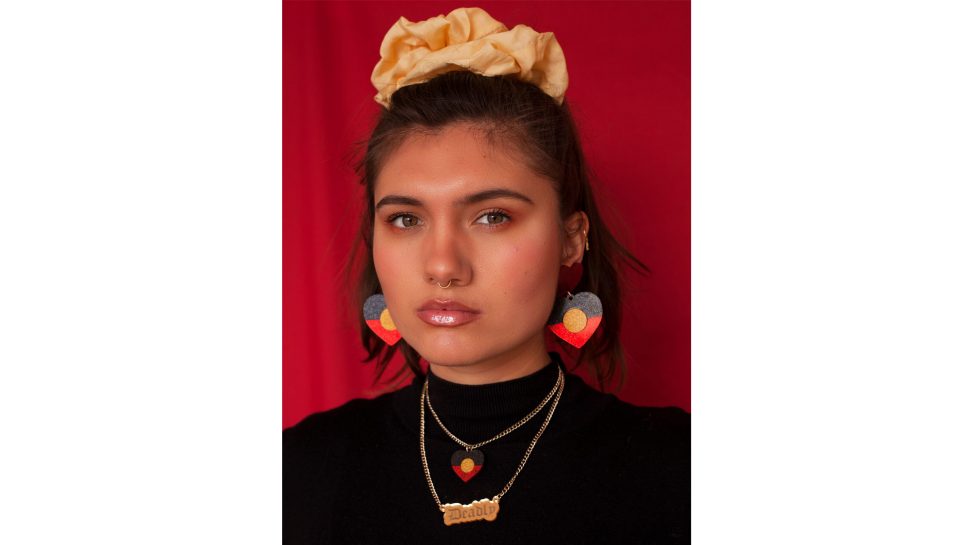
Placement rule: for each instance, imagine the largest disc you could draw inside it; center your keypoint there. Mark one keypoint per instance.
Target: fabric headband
(467, 39)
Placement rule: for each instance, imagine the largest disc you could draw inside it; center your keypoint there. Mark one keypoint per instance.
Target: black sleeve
(652, 472)
(674, 424)
(307, 492)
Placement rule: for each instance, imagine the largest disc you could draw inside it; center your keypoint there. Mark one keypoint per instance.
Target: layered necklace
(468, 462)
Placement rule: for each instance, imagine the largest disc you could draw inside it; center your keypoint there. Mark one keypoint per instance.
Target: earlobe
(576, 239)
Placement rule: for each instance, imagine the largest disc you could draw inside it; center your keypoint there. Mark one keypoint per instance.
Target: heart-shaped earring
(576, 317)
(379, 319)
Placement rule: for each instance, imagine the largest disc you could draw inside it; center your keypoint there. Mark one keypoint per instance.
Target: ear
(576, 231)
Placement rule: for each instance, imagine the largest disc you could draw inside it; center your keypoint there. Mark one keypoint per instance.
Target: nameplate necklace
(485, 508)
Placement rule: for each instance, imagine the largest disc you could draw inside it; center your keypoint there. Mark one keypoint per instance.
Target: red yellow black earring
(576, 317)
(379, 319)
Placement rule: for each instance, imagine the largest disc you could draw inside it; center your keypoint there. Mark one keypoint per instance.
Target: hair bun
(467, 39)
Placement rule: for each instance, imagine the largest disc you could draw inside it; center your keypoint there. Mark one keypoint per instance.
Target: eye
(494, 218)
(406, 221)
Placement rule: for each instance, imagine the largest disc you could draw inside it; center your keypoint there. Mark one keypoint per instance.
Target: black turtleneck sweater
(604, 471)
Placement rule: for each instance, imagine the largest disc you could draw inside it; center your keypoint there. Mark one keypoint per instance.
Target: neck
(516, 363)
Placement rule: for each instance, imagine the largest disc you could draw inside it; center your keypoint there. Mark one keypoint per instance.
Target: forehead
(457, 160)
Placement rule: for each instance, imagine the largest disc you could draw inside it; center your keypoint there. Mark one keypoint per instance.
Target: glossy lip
(446, 313)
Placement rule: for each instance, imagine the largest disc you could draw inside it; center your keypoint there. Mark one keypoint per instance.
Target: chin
(449, 353)
(460, 345)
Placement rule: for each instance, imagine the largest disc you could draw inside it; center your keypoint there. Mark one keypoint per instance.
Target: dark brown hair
(525, 119)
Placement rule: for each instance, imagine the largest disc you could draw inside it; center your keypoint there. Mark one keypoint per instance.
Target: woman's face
(451, 207)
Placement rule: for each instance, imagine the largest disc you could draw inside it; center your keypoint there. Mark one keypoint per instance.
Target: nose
(446, 260)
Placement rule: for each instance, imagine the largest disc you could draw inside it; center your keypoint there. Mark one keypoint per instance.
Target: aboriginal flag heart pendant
(576, 317)
(467, 463)
(379, 320)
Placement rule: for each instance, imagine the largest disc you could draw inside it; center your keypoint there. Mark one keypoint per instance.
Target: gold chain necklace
(483, 509)
(467, 463)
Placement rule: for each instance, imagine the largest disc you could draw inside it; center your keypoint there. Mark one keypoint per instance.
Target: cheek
(389, 262)
(381, 259)
(525, 275)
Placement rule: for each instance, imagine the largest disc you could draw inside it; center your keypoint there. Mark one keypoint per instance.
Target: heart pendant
(467, 463)
(379, 319)
(576, 317)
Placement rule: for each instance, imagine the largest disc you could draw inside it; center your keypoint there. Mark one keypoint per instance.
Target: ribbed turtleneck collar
(476, 413)
(499, 400)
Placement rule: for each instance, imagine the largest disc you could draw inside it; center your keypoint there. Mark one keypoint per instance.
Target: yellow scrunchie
(467, 39)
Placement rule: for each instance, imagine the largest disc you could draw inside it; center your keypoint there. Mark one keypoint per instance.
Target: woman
(483, 246)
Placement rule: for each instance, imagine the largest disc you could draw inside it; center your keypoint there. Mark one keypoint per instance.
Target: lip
(446, 313)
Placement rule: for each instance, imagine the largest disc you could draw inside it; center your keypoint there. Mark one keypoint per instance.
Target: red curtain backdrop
(629, 87)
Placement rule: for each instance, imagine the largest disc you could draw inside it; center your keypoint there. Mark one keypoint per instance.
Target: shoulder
(659, 436)
(659, 428)
(336, 422)
(330, 433)
(671, 422)
(612, 417)
(655, 435)
(316, 452)
(640, 456)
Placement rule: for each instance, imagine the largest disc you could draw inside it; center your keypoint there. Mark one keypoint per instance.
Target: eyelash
(495, 212)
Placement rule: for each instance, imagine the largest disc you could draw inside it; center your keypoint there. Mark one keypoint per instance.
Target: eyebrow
(486, 195)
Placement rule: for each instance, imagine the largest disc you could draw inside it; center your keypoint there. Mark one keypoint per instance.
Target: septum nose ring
(444, 287)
